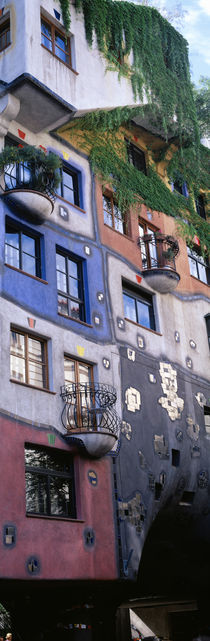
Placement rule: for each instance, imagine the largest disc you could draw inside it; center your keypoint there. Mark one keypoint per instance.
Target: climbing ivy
(65, 10)
(102, 135)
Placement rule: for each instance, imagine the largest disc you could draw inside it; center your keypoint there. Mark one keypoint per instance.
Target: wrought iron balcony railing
(89, 408)
(29, 176)
(158, 251)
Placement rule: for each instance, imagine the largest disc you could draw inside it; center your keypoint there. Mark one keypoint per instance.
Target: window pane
(36, 374)
(74, 287)
(129, 307)
(69, 371)
(35, 349)
(12, 238)
(36, 493)
(25, 173)
(63, 305)
(75, 310)
(107, 208)
(143, 314)
(193, 267)
(61, 282)
(29, 264)
(73, 268)
(10, 176)
(46, 35)
(63, 56)
(61, 263)
(17, 368)
(118, 218)
(60, 41)
(84, 373)
(17, 344)
(28, 245)
(12, 256)
(60, 496)
(202, 272)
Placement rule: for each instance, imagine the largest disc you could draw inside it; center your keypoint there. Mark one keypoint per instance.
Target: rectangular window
(28, 359)
(22, 250)
(149, 252)
(49, 482)
(82, 410)
(138, 306)
(113, 217)
(200, 206)
(198, 266)
(70, 286)
(55, 41)
(136, 157)
(180, 187)
(69, 186)
(207, 419)
(5, 34)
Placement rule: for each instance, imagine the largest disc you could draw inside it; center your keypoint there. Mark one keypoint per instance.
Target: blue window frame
(23, 249)
(70, 287)
(69, 187)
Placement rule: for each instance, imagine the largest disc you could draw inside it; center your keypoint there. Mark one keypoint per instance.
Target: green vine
(65, 10)
(100, 134)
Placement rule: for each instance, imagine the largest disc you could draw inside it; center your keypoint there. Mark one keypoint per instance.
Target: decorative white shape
(193, 429)
(201, 399)
(152, 378)
(126, 430)
(97, 320)
(132, 399)
(140, 342)
(87, 250)
(100, 296)
(131, 354)
(172, 403)
(106, 363)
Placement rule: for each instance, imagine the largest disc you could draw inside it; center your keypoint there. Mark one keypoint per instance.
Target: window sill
(16, 269)
(54, 518)
(199, 280)
(60, 60)
(120, 233)
(39, 389)
(75, 320)
(69, 203)
(148, 329)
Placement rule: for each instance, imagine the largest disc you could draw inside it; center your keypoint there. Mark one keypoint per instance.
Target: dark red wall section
(58, 544)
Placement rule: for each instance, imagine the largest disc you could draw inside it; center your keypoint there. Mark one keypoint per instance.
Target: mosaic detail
(179, 435)
(152, 378)
(132, 399)
(138, 279)
(189, 362)
(133, 511)
(161, 446)
(31, 322)
(126, 430)
(142, 460)
(140, 342)
(193, 429)
(100, 297)
(171, 402)
(131, 354)
(151, 482)
(106, 363)
(92, 477)
(9, 535)
(89, 537)
(87, 250)
(63, 213)
(51, 439)
(33, 565)
(97, 320)
(201, 399)
(162, 478)
(121, 323)
(203, 479)
(177, 337)
(195, 451)
(80, 350)
(192, 344)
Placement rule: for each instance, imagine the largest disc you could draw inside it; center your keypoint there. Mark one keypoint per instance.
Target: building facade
(105, 356)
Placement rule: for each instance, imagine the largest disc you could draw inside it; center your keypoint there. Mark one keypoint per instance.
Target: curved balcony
(28, 181)
(158, 254)
(89, 417)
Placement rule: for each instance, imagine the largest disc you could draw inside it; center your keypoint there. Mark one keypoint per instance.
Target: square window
(138, 306)
(70, 286)
(55, 41)
(22, 249)
(113, 217)
(28, 359)
(49, 478)
(5, 32)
